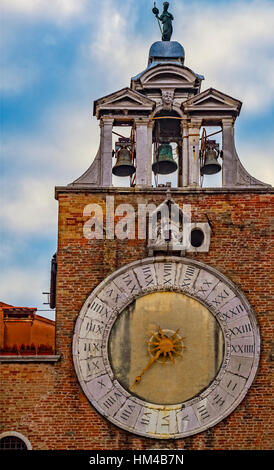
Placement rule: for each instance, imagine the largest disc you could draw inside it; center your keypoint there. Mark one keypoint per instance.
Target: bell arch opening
(123, 155)
(210, 156)
(167, 148)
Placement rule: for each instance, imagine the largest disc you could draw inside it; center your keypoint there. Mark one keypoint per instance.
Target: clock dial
(166, 347)
(165, 378)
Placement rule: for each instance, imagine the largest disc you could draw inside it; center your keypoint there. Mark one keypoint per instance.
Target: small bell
(123, 165)
(211, 165)
(165, 164)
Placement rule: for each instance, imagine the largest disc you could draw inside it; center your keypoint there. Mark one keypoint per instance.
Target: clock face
(166, 347)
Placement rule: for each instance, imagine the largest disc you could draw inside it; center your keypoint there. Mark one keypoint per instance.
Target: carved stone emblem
(167, 99)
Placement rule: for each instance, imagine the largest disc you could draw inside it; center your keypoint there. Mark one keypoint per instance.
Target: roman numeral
(203, 412)
(94, 327)
(145, 418)
(233, 312)
(109, 402)
(147, 275)
(126, 413)
(167, 274)
(99, 307)
(129, 281)
(218, 400)
(245, 328)
(101, 383)
(188, 276)
(115, 296)
(231, 385)
(220, 298)
(202, 290)
(165, 420)
(242, 348)
(94, 364)
(87, 347)
(96, 307)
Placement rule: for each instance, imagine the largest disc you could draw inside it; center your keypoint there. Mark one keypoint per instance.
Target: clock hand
(152, 360)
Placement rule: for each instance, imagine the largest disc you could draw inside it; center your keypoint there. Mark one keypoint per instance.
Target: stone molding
(19, 435)
(20, 359)
(90, 189)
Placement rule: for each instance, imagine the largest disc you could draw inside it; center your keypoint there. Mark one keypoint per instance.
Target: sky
(58, 56)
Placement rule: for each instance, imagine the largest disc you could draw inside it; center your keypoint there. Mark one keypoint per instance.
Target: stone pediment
(212, 100)
(166, 76)
(125, 99)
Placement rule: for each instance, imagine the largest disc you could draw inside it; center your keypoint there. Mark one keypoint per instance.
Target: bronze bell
(124, 165)
(165, 163)
(211, 165)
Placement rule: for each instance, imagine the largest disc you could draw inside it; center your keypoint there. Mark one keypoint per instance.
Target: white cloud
(258, 160)
(57, 155)
(55, 9)
(115, 44)
(66, 142)
(30, 208)
(230, 44)
(23, 286)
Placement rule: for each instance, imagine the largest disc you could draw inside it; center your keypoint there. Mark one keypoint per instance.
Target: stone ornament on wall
(166, 347)
(167, 99)
(174, 229)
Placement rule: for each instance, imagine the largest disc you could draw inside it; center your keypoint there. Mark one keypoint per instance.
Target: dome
(166, 50)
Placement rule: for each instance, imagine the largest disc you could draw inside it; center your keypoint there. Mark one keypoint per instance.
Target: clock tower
(161, 273)
(161, 280)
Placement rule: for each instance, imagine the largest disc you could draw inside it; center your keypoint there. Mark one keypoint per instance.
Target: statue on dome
(166, 18)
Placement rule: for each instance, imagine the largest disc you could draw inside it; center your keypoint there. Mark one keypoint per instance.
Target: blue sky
(58, 56)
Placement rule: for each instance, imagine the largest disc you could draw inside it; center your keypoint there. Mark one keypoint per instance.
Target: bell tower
(168, 116)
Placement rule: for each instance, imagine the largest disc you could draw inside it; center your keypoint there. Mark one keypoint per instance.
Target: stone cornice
(175, 191)
(20, 359)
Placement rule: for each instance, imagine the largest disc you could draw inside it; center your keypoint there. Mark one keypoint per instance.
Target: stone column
(229, 171)
(143, 155)
(193, 152)
(184, 177)
(149, 152)
(106, 151)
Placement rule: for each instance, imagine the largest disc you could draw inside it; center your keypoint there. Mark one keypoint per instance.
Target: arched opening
(211, 178)
(167, 148)
(14, 441)
(123, 155)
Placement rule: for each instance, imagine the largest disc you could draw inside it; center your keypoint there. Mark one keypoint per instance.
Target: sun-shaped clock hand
(167, 346)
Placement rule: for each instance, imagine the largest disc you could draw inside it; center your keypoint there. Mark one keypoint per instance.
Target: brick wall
(45, 402)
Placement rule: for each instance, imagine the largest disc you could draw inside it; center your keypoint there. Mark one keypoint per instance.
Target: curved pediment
(168, 76)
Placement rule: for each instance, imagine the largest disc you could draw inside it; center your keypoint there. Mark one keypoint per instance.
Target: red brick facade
(45, 402)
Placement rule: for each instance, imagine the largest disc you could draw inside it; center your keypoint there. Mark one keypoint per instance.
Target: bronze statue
(166, 18)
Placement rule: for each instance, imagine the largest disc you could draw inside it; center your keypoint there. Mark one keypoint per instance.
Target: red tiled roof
(2, 304)
(10, 308)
